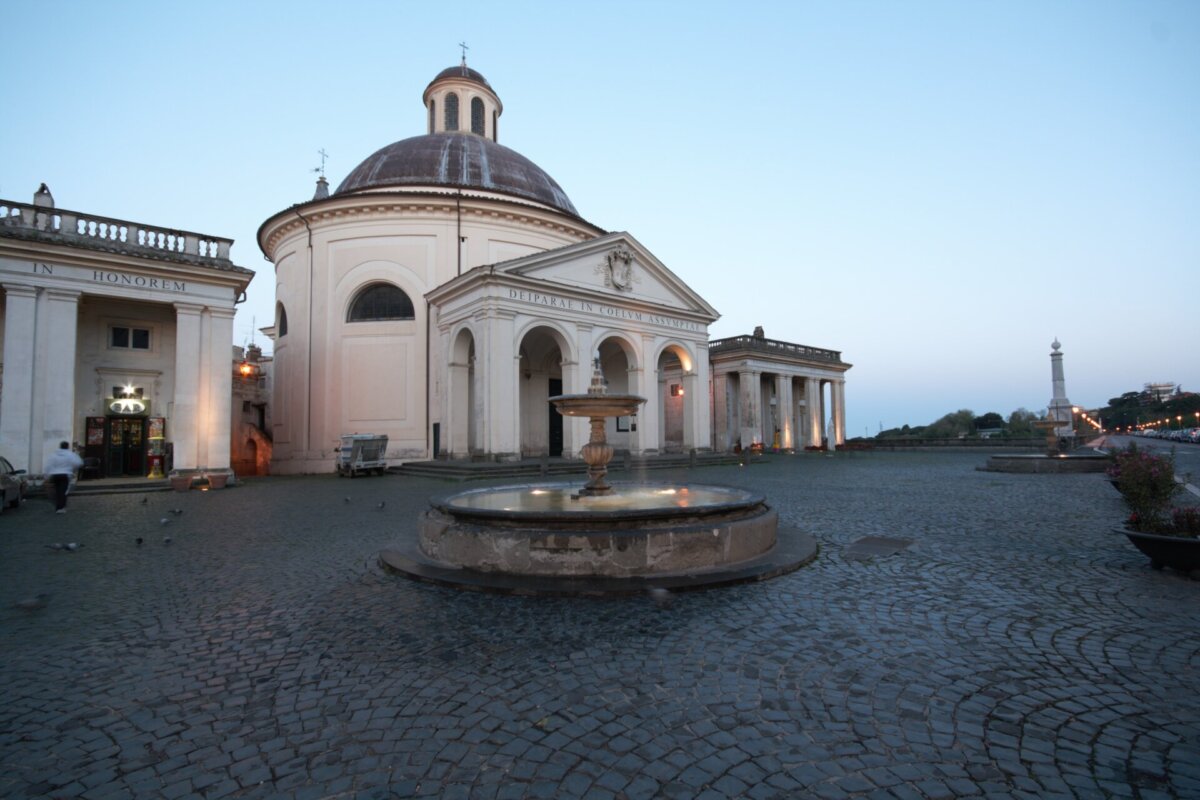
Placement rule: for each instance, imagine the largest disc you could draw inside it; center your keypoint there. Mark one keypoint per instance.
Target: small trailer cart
(361, 453)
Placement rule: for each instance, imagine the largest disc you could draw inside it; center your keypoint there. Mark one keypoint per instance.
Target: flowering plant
(1147, 482)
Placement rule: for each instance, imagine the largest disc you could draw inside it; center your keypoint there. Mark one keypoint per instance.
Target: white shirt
(62, 462)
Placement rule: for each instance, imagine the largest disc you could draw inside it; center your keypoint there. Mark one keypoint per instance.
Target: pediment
(615, 266)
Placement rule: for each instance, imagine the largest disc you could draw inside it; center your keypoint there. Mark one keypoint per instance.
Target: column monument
(1060, 407)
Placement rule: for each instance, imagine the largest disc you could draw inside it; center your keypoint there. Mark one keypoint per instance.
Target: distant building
(116, 336)
(776, 394)
(1157, 392)
(250, 444)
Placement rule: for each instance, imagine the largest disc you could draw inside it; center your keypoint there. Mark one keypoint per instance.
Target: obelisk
(1060, 406)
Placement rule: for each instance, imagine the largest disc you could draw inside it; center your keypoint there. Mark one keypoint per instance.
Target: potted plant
(1169, 536)
(1173, 543)
(181, 482)
(217, 480)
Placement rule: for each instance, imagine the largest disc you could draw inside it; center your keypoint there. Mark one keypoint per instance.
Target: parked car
(12, 485)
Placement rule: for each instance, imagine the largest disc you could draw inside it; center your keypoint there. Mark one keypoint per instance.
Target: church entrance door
(556, 420)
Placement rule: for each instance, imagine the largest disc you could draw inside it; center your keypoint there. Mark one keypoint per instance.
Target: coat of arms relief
(617, 270)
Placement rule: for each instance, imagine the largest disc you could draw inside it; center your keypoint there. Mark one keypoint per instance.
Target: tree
(954, 425)
(1019, 421)
(990, 420)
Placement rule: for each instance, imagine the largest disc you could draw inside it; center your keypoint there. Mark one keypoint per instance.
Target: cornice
(418, 204)
(92, 258)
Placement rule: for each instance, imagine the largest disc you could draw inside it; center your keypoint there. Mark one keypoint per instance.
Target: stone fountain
(597, 405)
(597, 537)
(1054, 460)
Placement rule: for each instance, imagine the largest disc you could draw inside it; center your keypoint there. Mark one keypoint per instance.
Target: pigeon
(145, 500)
(72, 547)
(56, 546)
(138, 541)
(177, 511)
(32, 603)
(382, 503)
(166, 540)
(164, 521)
(661, 597)
(345, 499)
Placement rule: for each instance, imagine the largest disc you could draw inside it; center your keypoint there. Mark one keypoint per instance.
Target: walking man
(60, 466)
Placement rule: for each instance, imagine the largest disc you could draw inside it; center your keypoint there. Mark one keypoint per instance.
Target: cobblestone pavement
(1018, 648)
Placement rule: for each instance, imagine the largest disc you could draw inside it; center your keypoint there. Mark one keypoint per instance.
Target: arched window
(281, 322)
(380, 301)
(432, 114)
(495, 128)
(452, 112)
(477, 116)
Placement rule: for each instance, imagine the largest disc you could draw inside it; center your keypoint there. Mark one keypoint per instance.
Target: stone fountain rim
(746, 501)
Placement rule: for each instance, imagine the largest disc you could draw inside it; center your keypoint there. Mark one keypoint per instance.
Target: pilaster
(185, 412)
(56, 394)
(220, 388)
(16, 403)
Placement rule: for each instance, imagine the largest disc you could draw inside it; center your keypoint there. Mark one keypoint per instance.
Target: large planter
(217, 480)
(1176, 552)
(181, 483)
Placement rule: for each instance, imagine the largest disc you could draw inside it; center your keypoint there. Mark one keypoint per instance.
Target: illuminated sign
(128, 406)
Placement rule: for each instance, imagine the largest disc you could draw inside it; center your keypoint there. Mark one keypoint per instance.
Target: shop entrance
(125, 446)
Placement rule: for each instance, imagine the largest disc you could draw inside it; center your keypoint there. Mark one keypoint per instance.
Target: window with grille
(380, 301)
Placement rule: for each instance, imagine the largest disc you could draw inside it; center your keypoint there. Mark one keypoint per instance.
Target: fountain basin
(640, 530)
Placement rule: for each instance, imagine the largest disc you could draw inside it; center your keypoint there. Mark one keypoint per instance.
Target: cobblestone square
(1018, 647)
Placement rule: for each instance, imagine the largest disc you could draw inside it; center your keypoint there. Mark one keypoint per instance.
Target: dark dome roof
(461, 71)
(457, 159)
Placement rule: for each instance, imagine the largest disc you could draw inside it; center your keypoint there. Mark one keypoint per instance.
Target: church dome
(459, 160)
(462, 72)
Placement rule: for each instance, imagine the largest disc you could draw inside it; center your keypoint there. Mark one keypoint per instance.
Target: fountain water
(599, 537)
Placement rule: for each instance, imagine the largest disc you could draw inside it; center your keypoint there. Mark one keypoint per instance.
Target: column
(56, 395)
(651, 388)
(720, 412)
(812, 400)
(502, 401)
(636, 381)
(458, 397)
(783, 406)
(837, 395)
(698, 389)
(692, 400)
(749, 402)
(220, 388)
(16, 403)
(185, 422)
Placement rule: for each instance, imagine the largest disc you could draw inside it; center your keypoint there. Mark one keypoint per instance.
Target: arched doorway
(675, 400)
(462, 424)
(540, 377)
(618, 359)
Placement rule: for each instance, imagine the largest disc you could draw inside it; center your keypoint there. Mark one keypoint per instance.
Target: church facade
(116, 338)
(448, 287)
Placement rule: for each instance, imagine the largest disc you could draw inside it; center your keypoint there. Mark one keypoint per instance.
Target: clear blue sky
(938, 190)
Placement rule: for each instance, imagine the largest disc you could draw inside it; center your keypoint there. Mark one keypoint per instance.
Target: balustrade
(85, 230)
(761, 345)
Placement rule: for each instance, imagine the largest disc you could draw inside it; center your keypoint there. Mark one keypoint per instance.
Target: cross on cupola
(464, 47)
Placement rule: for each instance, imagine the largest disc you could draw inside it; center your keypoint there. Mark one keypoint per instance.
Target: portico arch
(545, 367)
(620, 365)
(676, 395)
(463, 413)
